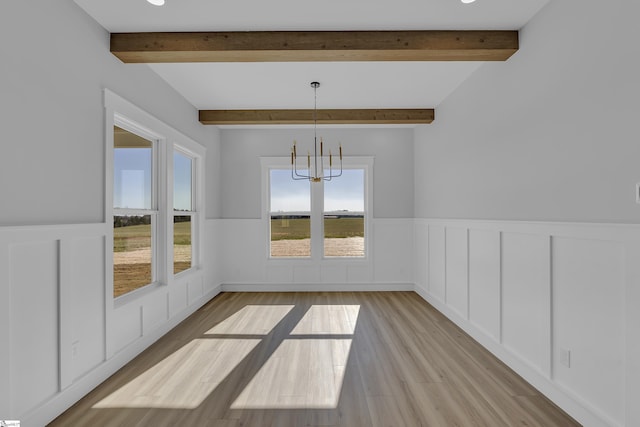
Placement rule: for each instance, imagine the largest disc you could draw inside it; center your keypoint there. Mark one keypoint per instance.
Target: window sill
(187, 273)
(324, 260)
(137, 294)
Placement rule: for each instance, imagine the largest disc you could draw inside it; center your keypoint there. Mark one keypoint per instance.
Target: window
(183, 211)
(317, 220)
(290, 215)
(154, 191)
(134, 211)
(344, 215)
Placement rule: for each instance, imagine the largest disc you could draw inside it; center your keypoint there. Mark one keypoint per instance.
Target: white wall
(550, 135)
(61, 332)
(213, 175)
(392, 150)
(55, 64)
(245, 262)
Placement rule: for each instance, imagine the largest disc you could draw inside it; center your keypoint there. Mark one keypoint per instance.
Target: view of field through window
(344, 215)
(181, 243)
(290, 215)
(135, 213)
(182, 204)
(131, 253)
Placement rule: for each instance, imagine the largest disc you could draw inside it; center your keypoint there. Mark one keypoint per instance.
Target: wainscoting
(557, 302)
(61, 333)
(540, 296)
(245, 264)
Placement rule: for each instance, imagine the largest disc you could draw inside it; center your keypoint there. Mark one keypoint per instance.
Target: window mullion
(165, 219)
(317, 206)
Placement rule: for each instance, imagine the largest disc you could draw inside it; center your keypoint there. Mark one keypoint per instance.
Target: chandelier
(319, 172)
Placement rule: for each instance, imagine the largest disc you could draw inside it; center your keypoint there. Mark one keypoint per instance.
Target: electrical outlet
(565, 357)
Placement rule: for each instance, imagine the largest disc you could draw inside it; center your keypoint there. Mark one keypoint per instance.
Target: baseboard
(62, 401)
(565, 399)
(317, 287)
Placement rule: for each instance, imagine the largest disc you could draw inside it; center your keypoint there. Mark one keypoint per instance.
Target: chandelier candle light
(318, 173)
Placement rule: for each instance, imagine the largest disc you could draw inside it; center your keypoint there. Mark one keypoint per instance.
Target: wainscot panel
(437, 269)
(213, 254)
(392, 243)
(526, 297)
(421, 255)
(588, 280)
(34, 323)
(456, 270)
(485, 281)
(86, 305)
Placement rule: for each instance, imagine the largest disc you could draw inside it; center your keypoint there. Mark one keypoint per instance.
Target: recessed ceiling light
(463, 1)
(156, 2)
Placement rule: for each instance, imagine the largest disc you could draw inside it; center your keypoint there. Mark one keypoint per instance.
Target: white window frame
(317, 211)
(122, 113)
(158, 236)
(194, 213)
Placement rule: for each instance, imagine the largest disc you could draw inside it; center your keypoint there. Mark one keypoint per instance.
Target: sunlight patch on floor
(306, 370)
(301, 373)
(328, 320)
(252, 320)
(185, 378)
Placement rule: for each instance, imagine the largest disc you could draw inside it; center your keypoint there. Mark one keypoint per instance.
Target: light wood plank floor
(315, 359)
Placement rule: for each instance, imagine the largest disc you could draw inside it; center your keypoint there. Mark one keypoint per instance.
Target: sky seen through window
(345, 193)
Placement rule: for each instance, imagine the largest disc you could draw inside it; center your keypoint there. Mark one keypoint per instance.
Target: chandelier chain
(319, 173)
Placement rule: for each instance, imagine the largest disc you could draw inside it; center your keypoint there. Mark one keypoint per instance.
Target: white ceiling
(286, 85)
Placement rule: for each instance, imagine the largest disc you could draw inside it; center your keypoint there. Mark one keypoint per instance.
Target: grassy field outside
(139, 236)
(300, 228)
(132, 237)
(343, 236)
(132, 255)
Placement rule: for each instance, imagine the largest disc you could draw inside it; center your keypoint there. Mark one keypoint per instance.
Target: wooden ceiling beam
(302, 46)
(303, 117)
